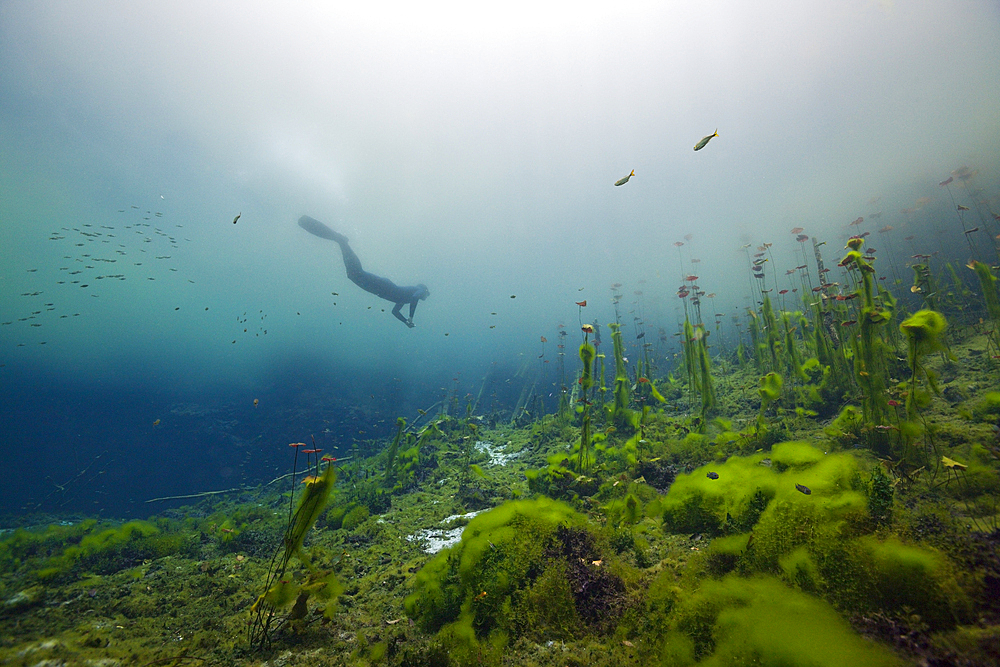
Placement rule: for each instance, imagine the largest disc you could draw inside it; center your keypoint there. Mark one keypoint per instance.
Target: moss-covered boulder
(731, 496)
(761, 621)
(526, 568)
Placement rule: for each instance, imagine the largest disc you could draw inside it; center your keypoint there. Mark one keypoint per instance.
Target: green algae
(497, 554)
(722, 624)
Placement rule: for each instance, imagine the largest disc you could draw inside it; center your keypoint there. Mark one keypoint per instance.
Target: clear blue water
(473, 153)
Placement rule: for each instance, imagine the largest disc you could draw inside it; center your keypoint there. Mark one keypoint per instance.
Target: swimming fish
(712, 475)
(704, 142)
(802, 488)
(156, 423)
(256, 402)
(623, 181)
(237, 217)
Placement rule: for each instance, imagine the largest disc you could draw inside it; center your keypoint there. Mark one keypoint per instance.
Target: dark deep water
(93, 445)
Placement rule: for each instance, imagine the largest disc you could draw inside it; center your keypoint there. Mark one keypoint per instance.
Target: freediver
(369, 282)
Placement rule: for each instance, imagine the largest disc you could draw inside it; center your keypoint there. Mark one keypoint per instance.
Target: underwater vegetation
(813, 480)
(319, 584)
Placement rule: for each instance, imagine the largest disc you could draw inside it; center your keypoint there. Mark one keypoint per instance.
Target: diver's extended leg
(355, 273)
(317, 228)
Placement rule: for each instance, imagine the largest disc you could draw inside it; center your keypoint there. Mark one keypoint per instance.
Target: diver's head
(422, 292)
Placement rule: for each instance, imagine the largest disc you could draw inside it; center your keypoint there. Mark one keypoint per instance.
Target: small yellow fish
(623, 181)
(704, 142)
(156, 423)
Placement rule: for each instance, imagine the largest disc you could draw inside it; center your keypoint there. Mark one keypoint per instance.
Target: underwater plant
(698, 365)
(924, 332)
(280, 591)
(587, 353)
(466, 468)
(770, 390)
(987, 281)
(618, 412)
(389, 480)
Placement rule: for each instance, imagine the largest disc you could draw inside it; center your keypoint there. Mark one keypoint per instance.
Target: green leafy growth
(734, 499)
(880, 497)
(102, 551)
(618, 412)
(587, 353)
(280, 591)
(923, 281)
(924, 331)
(987, 281)
(761, 621)
(502, 579)
(771, 331)
(390, 455)
(704, 376)
(794, 363)
(770, 390)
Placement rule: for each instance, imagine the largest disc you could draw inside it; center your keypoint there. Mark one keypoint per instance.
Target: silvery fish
(623, 181)
(704, 142)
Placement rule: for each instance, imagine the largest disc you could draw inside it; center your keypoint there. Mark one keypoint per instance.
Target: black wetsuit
(369, 282)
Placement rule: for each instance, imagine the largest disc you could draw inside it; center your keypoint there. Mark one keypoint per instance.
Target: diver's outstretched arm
(399, 316)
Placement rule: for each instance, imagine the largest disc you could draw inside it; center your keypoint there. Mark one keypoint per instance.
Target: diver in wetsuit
(369, 282)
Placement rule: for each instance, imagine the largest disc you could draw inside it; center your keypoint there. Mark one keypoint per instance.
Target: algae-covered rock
(23, 600)
(760, 621)
(526, 568)
(730, 497)
(355, 517)
(987, 408)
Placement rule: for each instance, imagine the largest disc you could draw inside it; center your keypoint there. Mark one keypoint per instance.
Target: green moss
(801, 570)
(109, 550)
(699, 503)
(880, 497)
(915, 578)
(987, 408)
(355, 517)
(500, 574)
(732, 501)
(794, 455)
(770, 389)
(724, 553)
(335, 516)
(760, 621)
